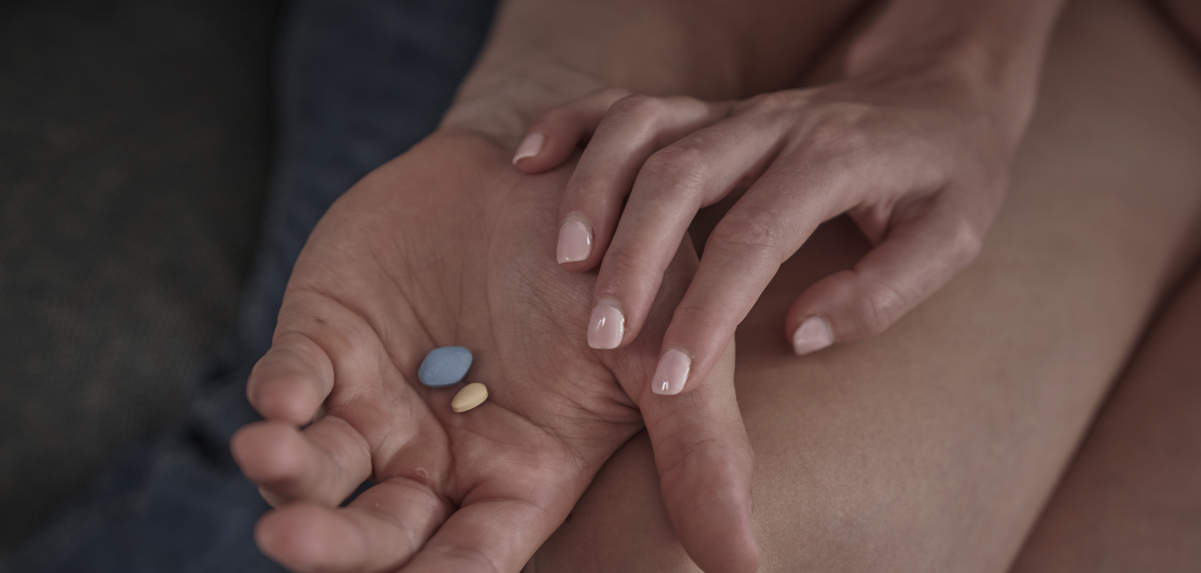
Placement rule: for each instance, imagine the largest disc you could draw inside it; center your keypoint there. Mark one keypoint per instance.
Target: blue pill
(444, 366)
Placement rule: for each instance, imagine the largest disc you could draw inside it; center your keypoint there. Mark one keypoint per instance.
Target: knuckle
(708, 316)
(638, 108)
(964, 242)
(778, 101)
(622, 262)
(677, 172)
(678, 459)
(837, 133)
(680, 160)
(586, 188)
(754, 234)
(879, 306)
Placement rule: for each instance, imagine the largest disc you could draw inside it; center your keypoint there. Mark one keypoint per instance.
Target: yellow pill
(470, 396)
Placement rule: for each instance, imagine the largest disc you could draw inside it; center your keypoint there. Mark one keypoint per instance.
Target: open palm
(449, 245)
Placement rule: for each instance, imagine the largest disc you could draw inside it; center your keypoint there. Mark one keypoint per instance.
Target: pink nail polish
(814, 334)
(606, 326)
(575, 242)
(671, 373)
(530, 146)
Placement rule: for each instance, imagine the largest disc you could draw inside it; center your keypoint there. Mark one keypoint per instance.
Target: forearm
(997, 44)
(542, 53)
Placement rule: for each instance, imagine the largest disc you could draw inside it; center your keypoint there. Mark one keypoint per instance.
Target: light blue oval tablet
(444, 366)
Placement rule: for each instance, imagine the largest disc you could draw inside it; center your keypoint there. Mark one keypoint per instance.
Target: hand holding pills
(409, 261)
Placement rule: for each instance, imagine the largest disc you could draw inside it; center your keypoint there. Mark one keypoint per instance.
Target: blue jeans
(359, 82)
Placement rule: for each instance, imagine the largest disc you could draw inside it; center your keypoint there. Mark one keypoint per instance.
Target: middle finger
(671, 187)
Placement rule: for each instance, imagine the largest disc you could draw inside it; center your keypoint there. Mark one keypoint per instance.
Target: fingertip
(607, 325)
(672, 372)
(732, 546)
(551, 141)
(575, 244)
(292, 380)
(268, 452)
(555, 136)
(813, 334)
(273, 499)
(843, 307)
(914, 260)
(529, 148)
(306, 537)
(282, 393)
(289, 401)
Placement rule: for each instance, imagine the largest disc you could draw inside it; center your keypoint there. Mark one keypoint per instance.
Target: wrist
(501, 99)
(992, 48)
(544, 53)
(967, 75)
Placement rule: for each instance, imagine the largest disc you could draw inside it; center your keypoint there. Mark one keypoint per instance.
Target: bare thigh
(934, 446)
(1131, 500)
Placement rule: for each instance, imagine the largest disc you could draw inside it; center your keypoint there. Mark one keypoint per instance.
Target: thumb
(701, 448)
(705, 460)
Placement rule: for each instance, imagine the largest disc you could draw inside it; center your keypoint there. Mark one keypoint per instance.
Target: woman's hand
(441, 247)
(918, 159)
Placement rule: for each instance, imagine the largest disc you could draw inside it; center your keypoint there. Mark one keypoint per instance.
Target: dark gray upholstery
(133, 155)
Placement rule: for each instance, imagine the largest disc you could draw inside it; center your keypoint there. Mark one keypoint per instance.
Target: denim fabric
(359, 82)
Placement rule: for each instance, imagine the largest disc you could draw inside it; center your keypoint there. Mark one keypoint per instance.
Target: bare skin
(913, 139)
(890, 454)
(934, 446)
(411, 259)
(439, 247)
(1130, 501)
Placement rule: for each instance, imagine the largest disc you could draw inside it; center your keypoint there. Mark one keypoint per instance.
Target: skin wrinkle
(494, 245)
(522, 445)
(542, 296)
(567, 397)
(474, 555)
(325, 349)
(580, 404)
(560, 457)
(399, 404)
(359, 441)
(413, 535)
(362, 317)
(327, 369)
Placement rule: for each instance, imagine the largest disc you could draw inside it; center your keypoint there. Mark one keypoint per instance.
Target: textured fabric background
(133, 154)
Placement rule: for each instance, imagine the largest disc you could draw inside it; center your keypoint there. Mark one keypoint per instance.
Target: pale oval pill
(470, 396)
(445, 366)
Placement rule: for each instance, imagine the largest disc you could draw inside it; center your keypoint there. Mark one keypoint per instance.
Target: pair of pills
(446, 366)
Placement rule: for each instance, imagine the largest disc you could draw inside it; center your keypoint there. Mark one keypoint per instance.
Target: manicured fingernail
(671, 373)
(530, 146)
(575, 242)
(814, 334)
(606, 326)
